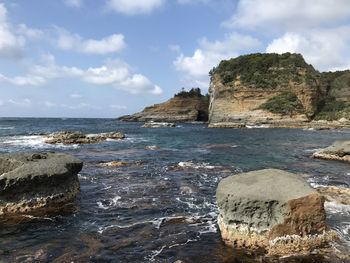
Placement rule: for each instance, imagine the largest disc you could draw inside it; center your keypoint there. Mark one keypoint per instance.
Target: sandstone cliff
(280, 90)
(183, 107)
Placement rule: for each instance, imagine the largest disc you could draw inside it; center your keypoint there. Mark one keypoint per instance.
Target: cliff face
(181, 108)
(274, 89)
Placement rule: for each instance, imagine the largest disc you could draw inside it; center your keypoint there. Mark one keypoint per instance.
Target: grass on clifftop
(286, 103)
(264, 70)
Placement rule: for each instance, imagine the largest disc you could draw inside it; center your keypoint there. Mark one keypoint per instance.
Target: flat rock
(37, 182)
(272, 210)
(152, 124)
(339, 150)
(75, 137)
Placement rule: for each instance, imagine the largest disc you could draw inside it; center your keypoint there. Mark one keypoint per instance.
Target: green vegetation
(192, 93)
(331, 109)
(285, 103)
(264, 70)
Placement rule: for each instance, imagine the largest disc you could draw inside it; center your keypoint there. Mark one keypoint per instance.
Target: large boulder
(271, 210)
(339, 150)
(32, 183)
(75, 137)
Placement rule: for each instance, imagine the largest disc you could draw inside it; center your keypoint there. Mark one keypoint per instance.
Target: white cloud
(209, 54)
(11, 45)
(69, 41)
(74, 3)
(114, 73)
(326, 49)
(21, 103)
(1, 103)
(291, 14)
(191, 2)
(76, 96)
(26, 80)
(134, 7)
(29, 33)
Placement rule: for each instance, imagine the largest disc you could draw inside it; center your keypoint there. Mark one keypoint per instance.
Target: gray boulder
(272, 210)
(32, 183)
(339, 150)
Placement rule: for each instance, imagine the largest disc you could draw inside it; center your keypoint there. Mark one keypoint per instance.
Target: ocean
(161, 207)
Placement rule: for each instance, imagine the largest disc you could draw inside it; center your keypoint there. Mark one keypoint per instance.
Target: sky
(107, 58)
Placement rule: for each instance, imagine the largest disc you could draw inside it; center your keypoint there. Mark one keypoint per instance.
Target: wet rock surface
(75, 137)
(339, 150)
(152, 124)
(32, 183)
(271, 210)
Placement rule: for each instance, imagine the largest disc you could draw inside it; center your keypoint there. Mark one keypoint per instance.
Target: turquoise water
(164, 209)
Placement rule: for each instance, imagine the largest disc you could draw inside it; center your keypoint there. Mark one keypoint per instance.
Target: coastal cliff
(276, 90)
(185, 106)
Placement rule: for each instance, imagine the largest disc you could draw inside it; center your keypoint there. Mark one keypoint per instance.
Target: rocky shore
(37, 183)
(339, 151)
(273, 211)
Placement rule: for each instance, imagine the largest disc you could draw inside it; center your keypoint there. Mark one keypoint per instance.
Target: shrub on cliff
(285, 103)
(331, 109)
(192, 93)
(264, 70)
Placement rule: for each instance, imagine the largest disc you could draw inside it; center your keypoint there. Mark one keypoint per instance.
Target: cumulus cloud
(291, 14)
(11, 45)
(209, 54)
(114, 73)
(74, 3)
(26, 80)
(68, 41)
(128, 7)
(326, 49)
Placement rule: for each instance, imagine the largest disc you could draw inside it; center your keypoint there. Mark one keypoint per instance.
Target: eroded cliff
(279, 90)
(183, 107)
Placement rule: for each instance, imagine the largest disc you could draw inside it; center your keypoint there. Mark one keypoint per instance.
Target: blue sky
(87, 58)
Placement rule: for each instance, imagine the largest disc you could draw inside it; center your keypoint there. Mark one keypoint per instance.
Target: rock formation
(183, 107)
(69, 137)
(32, 183)
(152, 124)
(339, 150)
(281, 90)
(271, 210)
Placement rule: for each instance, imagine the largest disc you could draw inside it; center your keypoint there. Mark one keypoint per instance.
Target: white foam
(154, 254)
(33, 141)
(195, 165)
(111, 203)
(7, 128)
(335, 208)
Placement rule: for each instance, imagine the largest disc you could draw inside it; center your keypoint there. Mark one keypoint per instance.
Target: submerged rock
(32, 183)
(152, 124)
(271, 210)
(339, 150)
(75, 137)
